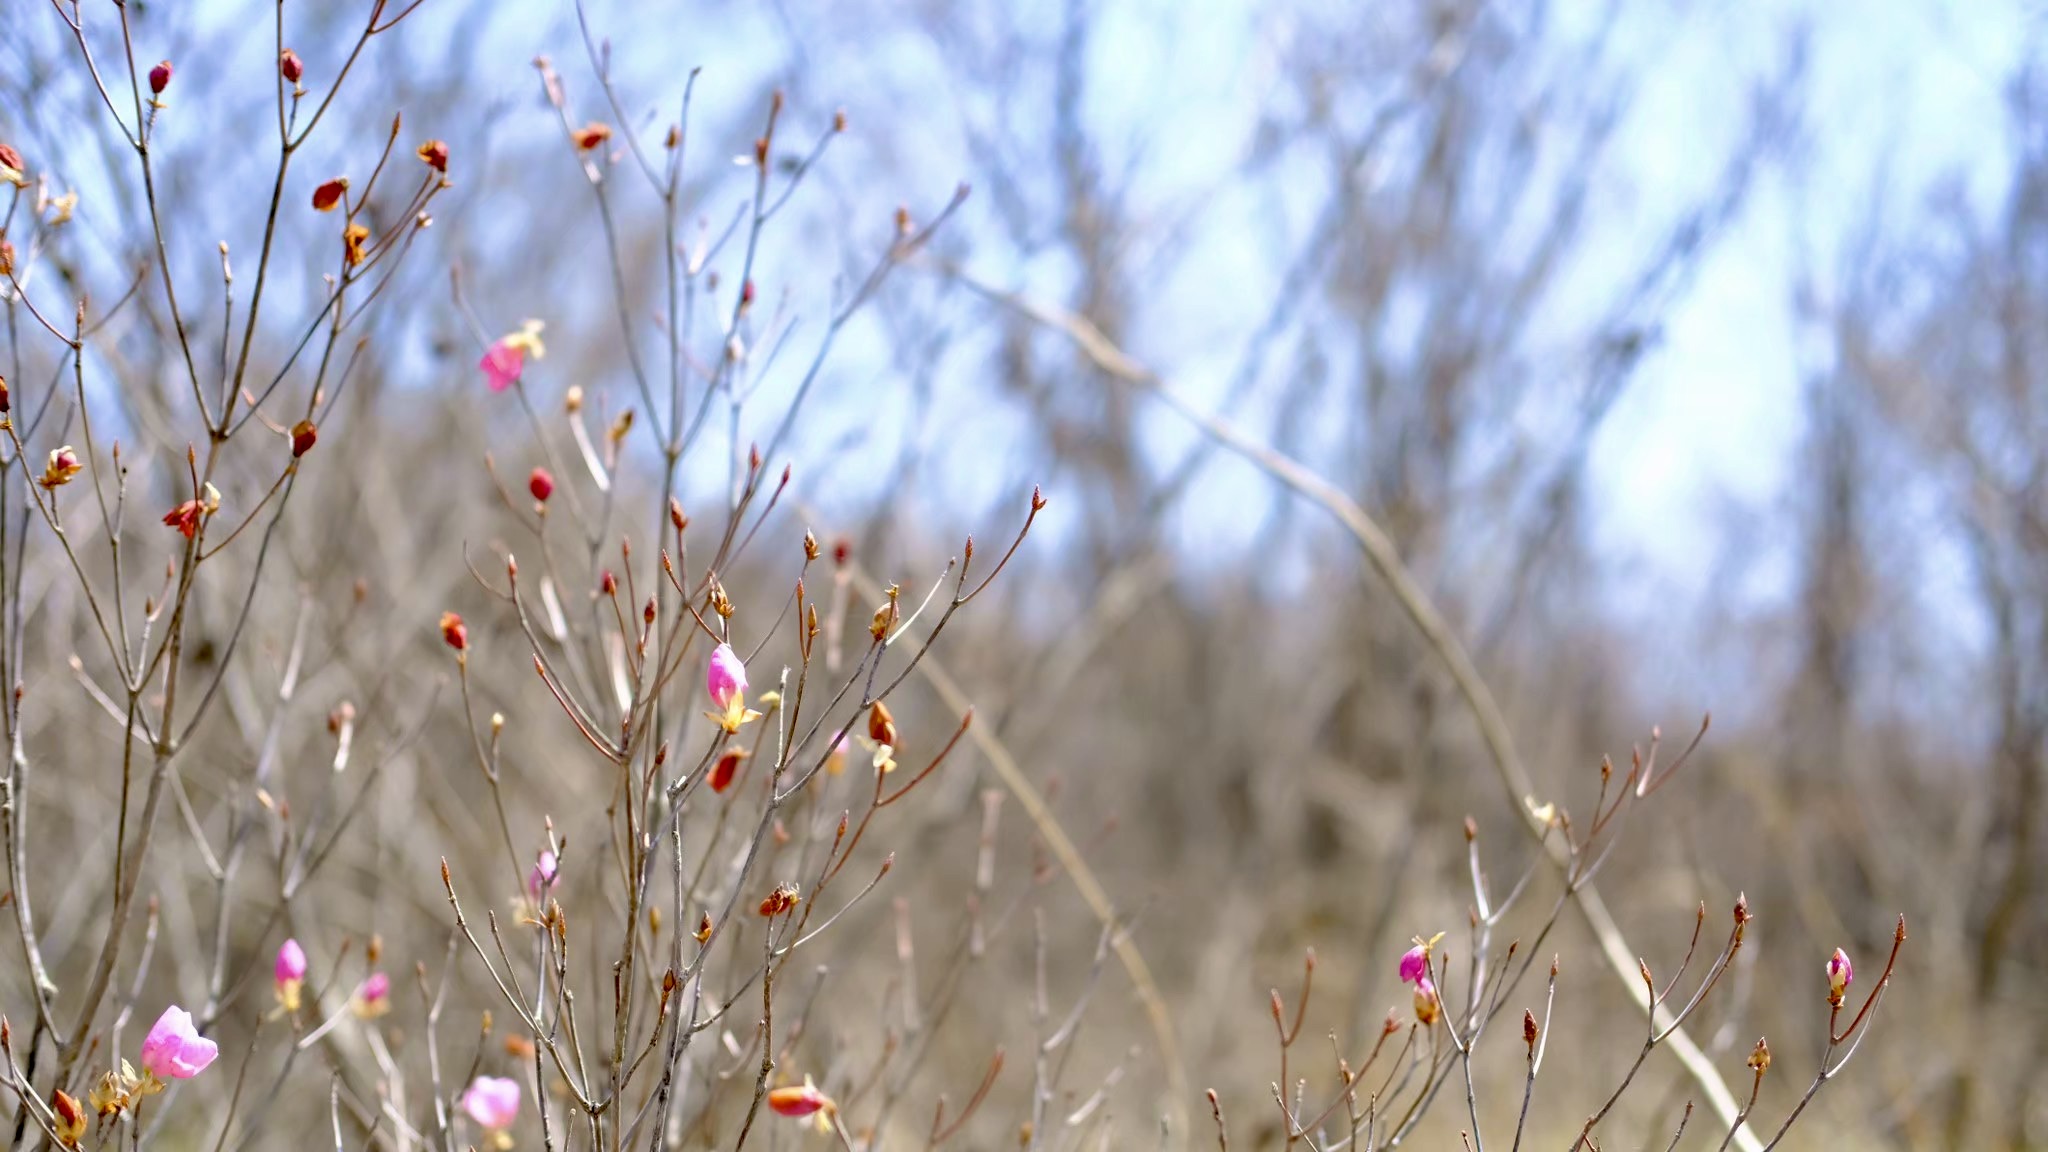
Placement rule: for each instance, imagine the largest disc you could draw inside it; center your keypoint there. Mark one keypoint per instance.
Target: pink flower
(505, 360)
(492, 1101)
(373, 996)
(545, 869)
(174, 1049)
(502, 365)
(290, 974)
(1840, 973)
(726, 678)
(1415, 961)
(291, 962)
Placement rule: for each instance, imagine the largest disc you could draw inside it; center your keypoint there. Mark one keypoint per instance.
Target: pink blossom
(174, 1049)
(545, 868)
(1415, 961)
(290, 973)
(505, 360)
(1840, 973)
(291, 963)
(502, 364)
(726, 678)
(492, 1101)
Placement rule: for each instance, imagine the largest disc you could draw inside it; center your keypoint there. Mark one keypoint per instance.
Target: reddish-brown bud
(326, 196)
(881, 725)
(592, 134)
(727, 769)
(454, 632)
(71, 1118)
(290, 67)
(434, 153)
(304, 435)
(781, 900)
(540, 484)
(160, 78)
(185, 518)
(9, 158)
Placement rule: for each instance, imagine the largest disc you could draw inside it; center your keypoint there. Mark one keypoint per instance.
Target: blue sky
(1909, 93)
(1900, 92)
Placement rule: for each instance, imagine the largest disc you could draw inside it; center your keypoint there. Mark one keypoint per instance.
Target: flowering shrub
(639, 943)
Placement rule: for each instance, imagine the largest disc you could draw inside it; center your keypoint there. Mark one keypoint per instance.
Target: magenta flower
(1840, 973)
(290, 973)
(726, 678)
(174, 1049)
(492, 1101)
(502, 364)
(545, 869)
(291, 963)
(1415, 961)
(373, 996)
(505, 360)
